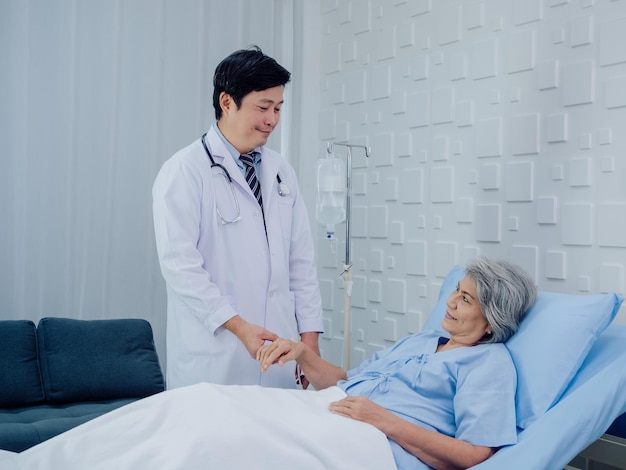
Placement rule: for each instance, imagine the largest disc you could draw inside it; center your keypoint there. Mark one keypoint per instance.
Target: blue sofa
(64, 372)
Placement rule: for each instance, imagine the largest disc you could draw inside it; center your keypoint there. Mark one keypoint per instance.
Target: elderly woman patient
(442, 401)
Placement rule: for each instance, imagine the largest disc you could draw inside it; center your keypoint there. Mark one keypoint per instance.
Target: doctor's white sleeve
(177, 194)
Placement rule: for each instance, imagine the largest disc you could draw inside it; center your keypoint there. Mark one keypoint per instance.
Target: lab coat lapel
(224, 158)
(270, 163)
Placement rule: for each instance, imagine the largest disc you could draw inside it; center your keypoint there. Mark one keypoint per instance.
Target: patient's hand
(362, 409)
(279, 352)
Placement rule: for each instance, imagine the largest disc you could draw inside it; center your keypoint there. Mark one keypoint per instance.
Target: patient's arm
(320, 373)
(434, 449)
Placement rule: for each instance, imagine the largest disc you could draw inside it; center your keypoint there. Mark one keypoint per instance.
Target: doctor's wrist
(235, 325)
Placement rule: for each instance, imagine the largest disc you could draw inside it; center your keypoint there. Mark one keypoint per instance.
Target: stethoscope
(283, 189)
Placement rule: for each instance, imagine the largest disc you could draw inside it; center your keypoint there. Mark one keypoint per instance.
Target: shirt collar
(233, 151)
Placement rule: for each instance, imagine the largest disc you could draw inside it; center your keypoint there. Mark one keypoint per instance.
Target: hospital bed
(571, 388)
(577, 423)
(571, 365)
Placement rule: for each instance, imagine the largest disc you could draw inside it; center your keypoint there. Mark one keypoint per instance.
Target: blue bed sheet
(591, 403)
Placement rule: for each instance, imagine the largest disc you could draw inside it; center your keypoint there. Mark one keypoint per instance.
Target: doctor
(233, 239)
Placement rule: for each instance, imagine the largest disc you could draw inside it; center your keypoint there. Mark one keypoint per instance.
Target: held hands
(279, 352)
(252, 336)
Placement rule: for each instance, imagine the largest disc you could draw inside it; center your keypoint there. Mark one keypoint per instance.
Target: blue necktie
(253, 181)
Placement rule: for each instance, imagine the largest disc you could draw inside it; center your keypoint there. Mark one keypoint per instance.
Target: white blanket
(208, 426)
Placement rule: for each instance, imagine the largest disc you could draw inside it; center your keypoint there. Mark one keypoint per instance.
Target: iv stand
(347, 267)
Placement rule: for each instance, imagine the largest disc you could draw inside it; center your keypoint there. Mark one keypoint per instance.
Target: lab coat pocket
(285, 206)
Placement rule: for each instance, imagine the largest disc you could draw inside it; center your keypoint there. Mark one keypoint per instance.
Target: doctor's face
(250, 125)
(464, 318)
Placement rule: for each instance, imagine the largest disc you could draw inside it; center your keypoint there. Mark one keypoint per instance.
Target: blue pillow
(550, 345)
(20, 379)
(93, 360)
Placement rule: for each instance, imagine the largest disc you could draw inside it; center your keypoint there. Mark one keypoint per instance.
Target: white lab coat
(214, 271)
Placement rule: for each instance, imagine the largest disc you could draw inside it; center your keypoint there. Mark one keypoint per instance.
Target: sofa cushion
(93, 360)
(21, 428)
(20, 379)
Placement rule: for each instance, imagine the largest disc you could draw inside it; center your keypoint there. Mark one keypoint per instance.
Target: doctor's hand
(252, 336)
(279, 352)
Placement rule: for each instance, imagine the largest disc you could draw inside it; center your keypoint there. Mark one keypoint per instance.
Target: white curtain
(94, 97)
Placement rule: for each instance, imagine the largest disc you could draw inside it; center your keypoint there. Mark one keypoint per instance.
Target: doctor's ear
(227, 103)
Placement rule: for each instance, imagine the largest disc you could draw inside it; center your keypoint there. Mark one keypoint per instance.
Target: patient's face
(464, 319)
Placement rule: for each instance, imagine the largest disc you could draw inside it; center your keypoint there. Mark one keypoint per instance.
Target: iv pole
(347, 267)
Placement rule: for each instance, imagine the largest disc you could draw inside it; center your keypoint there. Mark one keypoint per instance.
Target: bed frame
(607, 453)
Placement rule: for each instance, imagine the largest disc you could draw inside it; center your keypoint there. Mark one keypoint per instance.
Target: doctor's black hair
(245, 71)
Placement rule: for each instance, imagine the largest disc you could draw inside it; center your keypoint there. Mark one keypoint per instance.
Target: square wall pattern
(497, 128)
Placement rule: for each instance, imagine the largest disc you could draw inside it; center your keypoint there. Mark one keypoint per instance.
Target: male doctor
(233, 238)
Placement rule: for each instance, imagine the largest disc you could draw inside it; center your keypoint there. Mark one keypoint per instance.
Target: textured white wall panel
(484, 55)
(379, 82)
(416, 258)
(419, 109)
(525, 134)
(488, 138)
(577, 224)
(578, 83)
(449, 25)
(440, 148)
(464, 210)
(527, 257)
(442, 105)
(396, 292)
(547, 74)
(612, 36)
(610, 224)
(581, 31)
(419, 7)
(442, 184)
(374, 291)
(378, 221)
(488, 222)
(412, 186)
(446, 253)
(547, 210)
(580, 171)
(555, 264)
(521, 51)
(615, 92)
(611, 277)
(518, 181)
(526, 11)
(489, 176)
(556, 127)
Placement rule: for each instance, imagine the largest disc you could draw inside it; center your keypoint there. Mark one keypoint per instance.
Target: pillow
(550, 345)
(20, 380)
(98, 359)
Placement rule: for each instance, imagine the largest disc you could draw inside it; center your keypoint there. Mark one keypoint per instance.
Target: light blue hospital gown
(467, 392)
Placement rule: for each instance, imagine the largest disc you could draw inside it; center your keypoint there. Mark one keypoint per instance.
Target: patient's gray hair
(505, 293)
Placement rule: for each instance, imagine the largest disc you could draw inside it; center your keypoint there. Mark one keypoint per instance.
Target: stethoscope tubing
(283, 189)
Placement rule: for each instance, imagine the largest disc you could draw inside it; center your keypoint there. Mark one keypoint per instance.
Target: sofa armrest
(87, 360)
(20, 378)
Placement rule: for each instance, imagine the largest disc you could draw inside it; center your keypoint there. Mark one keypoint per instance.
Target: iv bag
(330, 207)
